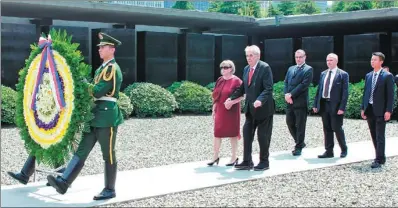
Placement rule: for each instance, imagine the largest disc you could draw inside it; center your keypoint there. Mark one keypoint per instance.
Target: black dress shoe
(296, 152)
(105, 194)
(343, 154)
(326, 155)
(261, 166)
(375, 164)
(245, 165)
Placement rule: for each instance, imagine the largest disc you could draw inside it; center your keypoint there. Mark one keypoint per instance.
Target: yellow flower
(47, 108)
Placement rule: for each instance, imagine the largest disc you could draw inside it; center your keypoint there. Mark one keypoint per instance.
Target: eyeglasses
(225, 67)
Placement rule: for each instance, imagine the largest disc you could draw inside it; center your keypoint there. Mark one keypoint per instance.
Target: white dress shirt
(334, 71)
(373, 77)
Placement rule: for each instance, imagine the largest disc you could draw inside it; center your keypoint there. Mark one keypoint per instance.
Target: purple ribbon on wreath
(47, 53)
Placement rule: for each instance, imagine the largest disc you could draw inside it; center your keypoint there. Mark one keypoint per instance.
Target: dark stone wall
(232, 48)
(157, 55)
(196, 58)
(125, 54)
(80, 35)
(278, 54)
(316, 49)
(394, 53)
(358, 51)
(15, 49)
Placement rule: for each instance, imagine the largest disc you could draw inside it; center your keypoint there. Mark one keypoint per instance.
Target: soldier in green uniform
(107, 117)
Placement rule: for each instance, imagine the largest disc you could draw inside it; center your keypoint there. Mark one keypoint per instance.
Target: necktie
(373, 87)
(251, 74)
(326, 91)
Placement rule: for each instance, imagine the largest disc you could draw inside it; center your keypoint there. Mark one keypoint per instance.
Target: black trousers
(296, 119)
(264, 133)
(377, 128)
(332, 123)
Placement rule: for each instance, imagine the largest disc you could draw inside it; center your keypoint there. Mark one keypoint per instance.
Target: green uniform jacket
(107, 82)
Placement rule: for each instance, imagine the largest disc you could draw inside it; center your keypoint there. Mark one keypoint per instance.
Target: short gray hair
(228, 63)
(254, 49)
(333, 55)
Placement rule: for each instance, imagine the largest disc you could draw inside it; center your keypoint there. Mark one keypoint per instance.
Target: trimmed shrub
(125, 105)
(353, 109)
(150, 100)
(193, 98)
(8, 104)
(211, 86)
(173, 87)
(279, 96)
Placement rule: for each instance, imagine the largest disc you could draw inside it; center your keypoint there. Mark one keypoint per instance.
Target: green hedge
(193, 98)
(150, 100)
(125, 105)
(8, 104)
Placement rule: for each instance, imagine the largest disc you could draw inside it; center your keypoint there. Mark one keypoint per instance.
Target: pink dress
(226, 122)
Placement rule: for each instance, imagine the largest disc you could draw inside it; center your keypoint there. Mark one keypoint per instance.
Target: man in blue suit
(297, 81)
(377, 105)
(330, 101)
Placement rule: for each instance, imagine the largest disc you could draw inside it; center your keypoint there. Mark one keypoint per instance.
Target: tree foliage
(287, 7)
(272, 11)
(244, 8)
(307, 7)
(185, 5)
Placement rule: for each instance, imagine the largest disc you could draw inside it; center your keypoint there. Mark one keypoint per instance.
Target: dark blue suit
(383, 100)
(261, 118)
(328, 108)
(297, 82)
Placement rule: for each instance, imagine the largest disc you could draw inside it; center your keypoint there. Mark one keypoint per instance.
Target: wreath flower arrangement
(52, 110)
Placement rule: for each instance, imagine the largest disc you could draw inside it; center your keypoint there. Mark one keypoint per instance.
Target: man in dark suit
(297, 81)
(377, 105)
(259, 108)
(330, 101)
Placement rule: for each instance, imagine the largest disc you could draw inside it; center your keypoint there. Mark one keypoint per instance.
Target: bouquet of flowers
(52, 110)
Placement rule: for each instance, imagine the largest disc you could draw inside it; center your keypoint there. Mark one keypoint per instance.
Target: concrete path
(150, 182)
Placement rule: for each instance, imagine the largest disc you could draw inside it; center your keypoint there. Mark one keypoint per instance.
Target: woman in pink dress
(226, 121)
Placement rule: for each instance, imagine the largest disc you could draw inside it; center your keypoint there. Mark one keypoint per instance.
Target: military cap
(106, 39)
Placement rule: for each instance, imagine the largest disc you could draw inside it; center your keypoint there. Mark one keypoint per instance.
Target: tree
(357, 5)
(378, 4)
(185, 5)
(338, 6)
(272, 11)
(287, 7)
(307, 7)
(230, 7)
(250, 8)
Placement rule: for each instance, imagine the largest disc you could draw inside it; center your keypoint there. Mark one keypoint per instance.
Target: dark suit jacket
(338, 93)
(260, 88)
(383, 95)
(297, 85)
(396, 80)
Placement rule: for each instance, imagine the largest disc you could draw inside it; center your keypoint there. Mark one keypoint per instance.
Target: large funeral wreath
(53, 103)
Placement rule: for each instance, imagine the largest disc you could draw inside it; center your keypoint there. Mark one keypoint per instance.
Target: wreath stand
(53, 171)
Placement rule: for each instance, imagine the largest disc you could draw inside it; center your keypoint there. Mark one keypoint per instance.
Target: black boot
(61, 184)
(27, 170)
(110, 179)
(62, 170)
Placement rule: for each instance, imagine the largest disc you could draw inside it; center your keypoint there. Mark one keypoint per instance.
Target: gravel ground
(155, 142)
(353, 185)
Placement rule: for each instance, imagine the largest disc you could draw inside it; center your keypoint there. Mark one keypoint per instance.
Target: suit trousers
(296, 119)
(377, 128)
(332, 123)
(264, 133)
(106, 136)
